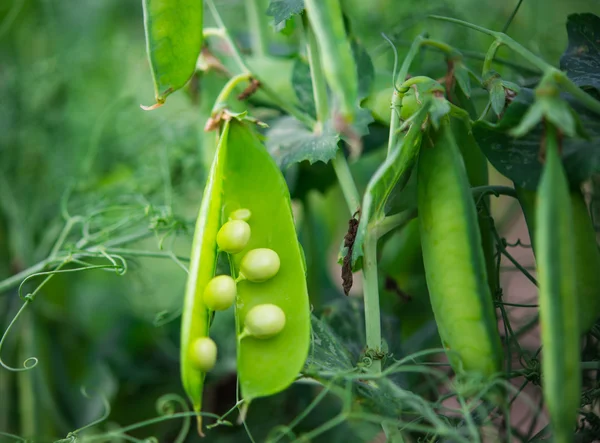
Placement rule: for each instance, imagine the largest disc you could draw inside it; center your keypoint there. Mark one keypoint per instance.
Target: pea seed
(233, 236)
(264, 321)
(203, 354)
(220, 293)
(260, 265)
(241, 214)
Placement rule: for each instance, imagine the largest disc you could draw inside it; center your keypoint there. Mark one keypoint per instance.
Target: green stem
(371, 298)
(316, 74)
(221, 101)
(392, 222)
(243, 67)
(396, 97)
(344, 176)
(587, 100)
(489, 56)
(495, 190)
(256, 26)
(442, 46)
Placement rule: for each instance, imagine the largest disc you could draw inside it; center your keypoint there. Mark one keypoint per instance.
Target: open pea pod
(253, 181)
(173, 42)
(244, 176)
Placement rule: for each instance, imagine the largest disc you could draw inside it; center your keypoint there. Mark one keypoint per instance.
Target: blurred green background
(73, 140)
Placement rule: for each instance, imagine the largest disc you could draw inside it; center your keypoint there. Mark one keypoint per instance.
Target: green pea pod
(173, 42)
(477, 172)
(326, 20)
(587, 256)
(587, 263)
(252, 180)
(453, 257)
(244, 176)
(555, 259)
(195, 316)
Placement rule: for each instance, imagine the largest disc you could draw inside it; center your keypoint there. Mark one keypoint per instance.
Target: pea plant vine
(348, 252)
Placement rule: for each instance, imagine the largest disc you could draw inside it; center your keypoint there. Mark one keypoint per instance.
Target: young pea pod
(195, 316)
(477, 172)
(561, 376)
(587, 262)
(587, 255)
(173, 42)
(453, 257)
(326, 20)
(252, 180)
(246, 212)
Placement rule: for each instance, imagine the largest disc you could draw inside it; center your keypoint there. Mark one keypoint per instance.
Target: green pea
(203, 354)
(220, 293)
(263, 321)
(260, 265)
(410, 104)
(241, 214)
(233, 236)
(453, 257)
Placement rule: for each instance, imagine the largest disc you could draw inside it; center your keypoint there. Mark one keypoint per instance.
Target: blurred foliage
(74, 143)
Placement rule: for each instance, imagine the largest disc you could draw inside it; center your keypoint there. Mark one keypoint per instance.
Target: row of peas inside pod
(258, 265)
(267, 280)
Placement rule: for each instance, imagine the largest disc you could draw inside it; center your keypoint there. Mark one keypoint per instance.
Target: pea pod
(555, 258)
(587, 256)
(477, 171)
(252, 180)
(173, 42)
(453, 257)
(335, 52)
(244, 176)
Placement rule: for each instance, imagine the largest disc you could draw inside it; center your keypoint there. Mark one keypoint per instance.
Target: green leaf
(497, 96)
(364, 68)
(302, 83)
(463, 80)
(283, 10)
(173, 42)
(581, 60)
(517, 158)
(288, 142)
(327, 353)
(393, 173)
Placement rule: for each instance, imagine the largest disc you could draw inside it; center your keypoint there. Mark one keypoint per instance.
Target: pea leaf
(173, 42)
(364, 68)
(581, 60)
(283, 10)
(327, 353)
(302, 83)
(517, 158)
(288, 142)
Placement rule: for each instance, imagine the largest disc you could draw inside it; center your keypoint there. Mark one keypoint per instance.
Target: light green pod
(556, 273)
(173, 42)
(587, 263)
(587, 255)
(335, 52)
(453, 257)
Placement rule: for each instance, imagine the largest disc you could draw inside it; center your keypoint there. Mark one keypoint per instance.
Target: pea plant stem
(352, 197)
(318, 81)
(371, 298)
(256, 26)
(243, 67)
(396, 97)
(221, 101)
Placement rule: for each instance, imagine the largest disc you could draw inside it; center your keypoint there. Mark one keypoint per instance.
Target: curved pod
(252, 180)
(557, 296)
(453, 257)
